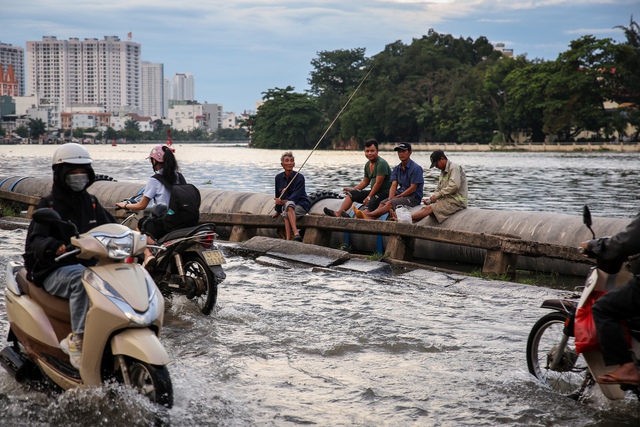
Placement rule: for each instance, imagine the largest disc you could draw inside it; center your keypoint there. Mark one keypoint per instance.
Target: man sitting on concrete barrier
(376, 172)
(291, 197)
(451, 192)
(407, 181)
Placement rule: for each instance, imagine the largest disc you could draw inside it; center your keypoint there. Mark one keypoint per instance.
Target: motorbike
(551, 351)
(188, 260)
(123, 324)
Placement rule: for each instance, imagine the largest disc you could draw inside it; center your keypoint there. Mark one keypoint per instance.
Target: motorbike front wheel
(204, 283)
(151, 381)
(569, 376)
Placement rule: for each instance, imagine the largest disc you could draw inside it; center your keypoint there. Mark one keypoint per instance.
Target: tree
(525, 88)
(132, 130)
(286, 120)
(336, 74)
(628, 64)
(576, 95)
(38, 127)
(232, 134)
(110, 133)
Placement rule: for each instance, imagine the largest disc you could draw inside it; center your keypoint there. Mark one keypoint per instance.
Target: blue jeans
(66, 282)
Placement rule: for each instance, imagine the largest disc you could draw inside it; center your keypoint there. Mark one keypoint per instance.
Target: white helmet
(71, 153)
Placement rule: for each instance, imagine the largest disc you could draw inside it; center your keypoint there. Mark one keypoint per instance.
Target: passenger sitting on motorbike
(621, 304)
(72, 174)
(163, 162)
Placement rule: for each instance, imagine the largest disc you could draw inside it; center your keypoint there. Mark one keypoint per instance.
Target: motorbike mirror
(50, 217)
(46, 216)
(586, 219)
(586, 216)
(160, 210)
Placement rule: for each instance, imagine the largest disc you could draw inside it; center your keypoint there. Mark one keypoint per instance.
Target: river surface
(331, 348)
(544, 182)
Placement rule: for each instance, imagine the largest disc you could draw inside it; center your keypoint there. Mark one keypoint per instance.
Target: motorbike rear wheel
(571, 375)
(151, 381)
(205, 292)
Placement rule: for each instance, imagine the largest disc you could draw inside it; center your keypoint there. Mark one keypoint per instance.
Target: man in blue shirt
(291, 197)
(407, 184)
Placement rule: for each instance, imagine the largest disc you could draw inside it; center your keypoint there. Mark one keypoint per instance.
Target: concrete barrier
(558, 229)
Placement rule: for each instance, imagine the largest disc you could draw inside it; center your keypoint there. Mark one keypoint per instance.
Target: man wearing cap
(451, 192)
(407, 183)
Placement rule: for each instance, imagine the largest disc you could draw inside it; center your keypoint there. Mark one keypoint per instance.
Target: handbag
(586, 336)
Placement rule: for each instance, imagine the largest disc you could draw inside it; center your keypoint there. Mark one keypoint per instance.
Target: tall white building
(88, 71)
(183, 87)
(14, 56)
(152, 77)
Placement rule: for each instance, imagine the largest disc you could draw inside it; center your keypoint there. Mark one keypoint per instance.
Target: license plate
(213, 257)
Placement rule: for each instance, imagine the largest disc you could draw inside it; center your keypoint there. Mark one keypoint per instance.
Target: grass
(377, 257)
(10, 209)
(523, 277)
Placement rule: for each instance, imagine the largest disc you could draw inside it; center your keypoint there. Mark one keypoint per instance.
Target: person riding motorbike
(619, 305)
(163, 162)
(72, 175)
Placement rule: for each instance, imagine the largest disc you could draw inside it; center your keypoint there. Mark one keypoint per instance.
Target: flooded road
(303, 347)
(332, 348)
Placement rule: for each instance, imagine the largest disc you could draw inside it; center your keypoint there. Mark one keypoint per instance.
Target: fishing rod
(326, 131)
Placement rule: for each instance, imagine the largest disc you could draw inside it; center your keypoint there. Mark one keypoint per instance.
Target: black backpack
(184, 204)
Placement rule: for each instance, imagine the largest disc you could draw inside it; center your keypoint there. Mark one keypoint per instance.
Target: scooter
(122, 326)
(551, 351)
(188, 261)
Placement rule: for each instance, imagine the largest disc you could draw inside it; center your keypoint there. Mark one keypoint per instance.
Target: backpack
(184, 204)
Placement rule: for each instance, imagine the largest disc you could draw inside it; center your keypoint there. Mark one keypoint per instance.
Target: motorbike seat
(53, 306)
(185, 232)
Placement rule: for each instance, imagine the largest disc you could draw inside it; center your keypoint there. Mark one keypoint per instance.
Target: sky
(239, 49)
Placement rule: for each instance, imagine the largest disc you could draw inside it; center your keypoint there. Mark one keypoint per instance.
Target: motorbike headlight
(101, 285)
(117, 246)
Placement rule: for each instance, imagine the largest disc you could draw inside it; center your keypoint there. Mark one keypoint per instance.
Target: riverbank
(561, 147)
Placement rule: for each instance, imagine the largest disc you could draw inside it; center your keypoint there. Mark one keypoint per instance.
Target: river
(332, 348)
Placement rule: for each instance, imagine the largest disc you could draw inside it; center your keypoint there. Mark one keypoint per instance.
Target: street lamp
(29, 138)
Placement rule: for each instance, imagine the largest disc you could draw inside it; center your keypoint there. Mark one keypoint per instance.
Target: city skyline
(236, 51)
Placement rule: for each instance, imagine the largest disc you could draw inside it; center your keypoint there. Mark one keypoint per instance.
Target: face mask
(78, 181)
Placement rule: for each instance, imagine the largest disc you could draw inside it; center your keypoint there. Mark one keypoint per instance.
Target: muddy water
(544, 182)
(298, 347)
(304, 347)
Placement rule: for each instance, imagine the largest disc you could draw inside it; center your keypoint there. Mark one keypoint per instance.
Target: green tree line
(442, 88)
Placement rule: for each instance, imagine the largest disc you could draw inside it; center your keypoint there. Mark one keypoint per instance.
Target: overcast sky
(238, 49)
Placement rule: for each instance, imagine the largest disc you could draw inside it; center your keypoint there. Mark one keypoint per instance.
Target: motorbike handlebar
(68, 254)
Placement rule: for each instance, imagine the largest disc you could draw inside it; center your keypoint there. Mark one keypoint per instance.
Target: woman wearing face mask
(163, 162)
(72, 175)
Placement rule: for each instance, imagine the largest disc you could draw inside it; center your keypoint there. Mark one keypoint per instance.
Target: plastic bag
(403, 214)
(586, 336)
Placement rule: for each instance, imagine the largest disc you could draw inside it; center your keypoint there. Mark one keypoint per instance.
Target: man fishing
(291, 197)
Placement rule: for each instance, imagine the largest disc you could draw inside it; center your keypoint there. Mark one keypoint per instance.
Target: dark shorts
(408, 202)
(154, 227)
(359, 196)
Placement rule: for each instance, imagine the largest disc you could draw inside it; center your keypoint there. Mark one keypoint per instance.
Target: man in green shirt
(376, 173)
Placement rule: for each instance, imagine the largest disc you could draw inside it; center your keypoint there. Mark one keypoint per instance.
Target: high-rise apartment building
(183, 87)
(89, 71)
(167, 95)
(14, 56)
(152, 76)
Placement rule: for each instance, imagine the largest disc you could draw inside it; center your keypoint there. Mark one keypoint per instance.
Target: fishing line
(326, 131)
